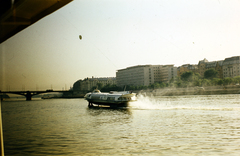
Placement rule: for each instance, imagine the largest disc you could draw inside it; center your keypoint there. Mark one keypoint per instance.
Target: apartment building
(204, 65)
(144, 75)
(167, 72)
(231, 67)
(140, 75)
(172, 72)
(217, 65)
(186, 68)
(88, 83)
(219, 68)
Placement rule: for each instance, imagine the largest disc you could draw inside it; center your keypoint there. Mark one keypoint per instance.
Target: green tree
(227, 81)
(187, 76)
(94, 87)
(178, 83)
(106, 88)
(236, 79)
(190, 76)
(197, 82)
(163, 85)
(171, 81)
(220, 82)
(215, 81)
(205, 82)
(210, 74)
(99, 85)
(156, 85)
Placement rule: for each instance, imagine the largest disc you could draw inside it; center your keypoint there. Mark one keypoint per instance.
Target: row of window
(231, 72)
(230, 68)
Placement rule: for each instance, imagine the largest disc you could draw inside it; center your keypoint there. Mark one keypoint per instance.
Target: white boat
(113, 98)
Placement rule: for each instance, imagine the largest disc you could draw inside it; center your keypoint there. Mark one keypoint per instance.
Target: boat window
(95, 97)
(111, 98)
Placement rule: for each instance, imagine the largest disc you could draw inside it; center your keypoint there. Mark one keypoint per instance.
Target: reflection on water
(181, 125)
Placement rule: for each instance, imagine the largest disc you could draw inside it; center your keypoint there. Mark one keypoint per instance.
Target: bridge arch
(30, 94)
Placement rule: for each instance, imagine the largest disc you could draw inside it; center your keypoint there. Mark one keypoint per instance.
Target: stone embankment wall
(212, 90)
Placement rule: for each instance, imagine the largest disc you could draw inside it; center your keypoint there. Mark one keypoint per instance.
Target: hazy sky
(115, 35)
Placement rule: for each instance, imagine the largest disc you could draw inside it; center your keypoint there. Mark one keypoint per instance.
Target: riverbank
(168, 91)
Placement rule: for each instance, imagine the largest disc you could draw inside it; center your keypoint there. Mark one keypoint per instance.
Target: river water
(174, 125)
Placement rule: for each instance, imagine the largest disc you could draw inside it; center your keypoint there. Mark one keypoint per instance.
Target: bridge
(30, 94)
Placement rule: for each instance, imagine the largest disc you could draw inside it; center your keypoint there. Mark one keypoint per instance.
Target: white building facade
(231, 67)
(137, 76)
(144, 75)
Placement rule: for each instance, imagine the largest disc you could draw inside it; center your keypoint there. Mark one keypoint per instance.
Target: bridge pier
(28, 96)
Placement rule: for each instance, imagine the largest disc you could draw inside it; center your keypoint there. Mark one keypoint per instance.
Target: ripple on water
(184, 125)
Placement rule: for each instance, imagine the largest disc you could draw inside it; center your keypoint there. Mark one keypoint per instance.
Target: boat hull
(109, 103)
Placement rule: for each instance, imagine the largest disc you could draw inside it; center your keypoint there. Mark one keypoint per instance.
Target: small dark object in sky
(80, 37)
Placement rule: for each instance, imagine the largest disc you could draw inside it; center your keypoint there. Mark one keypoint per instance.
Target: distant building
(144, 75)
(88, 83)
(217, 65)
(186, 68)
(167, 72)
(204, 65)
(140, 75)
(231, 67)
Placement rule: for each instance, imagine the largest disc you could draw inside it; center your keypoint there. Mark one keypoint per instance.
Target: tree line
(187, 79)
(210, 78)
